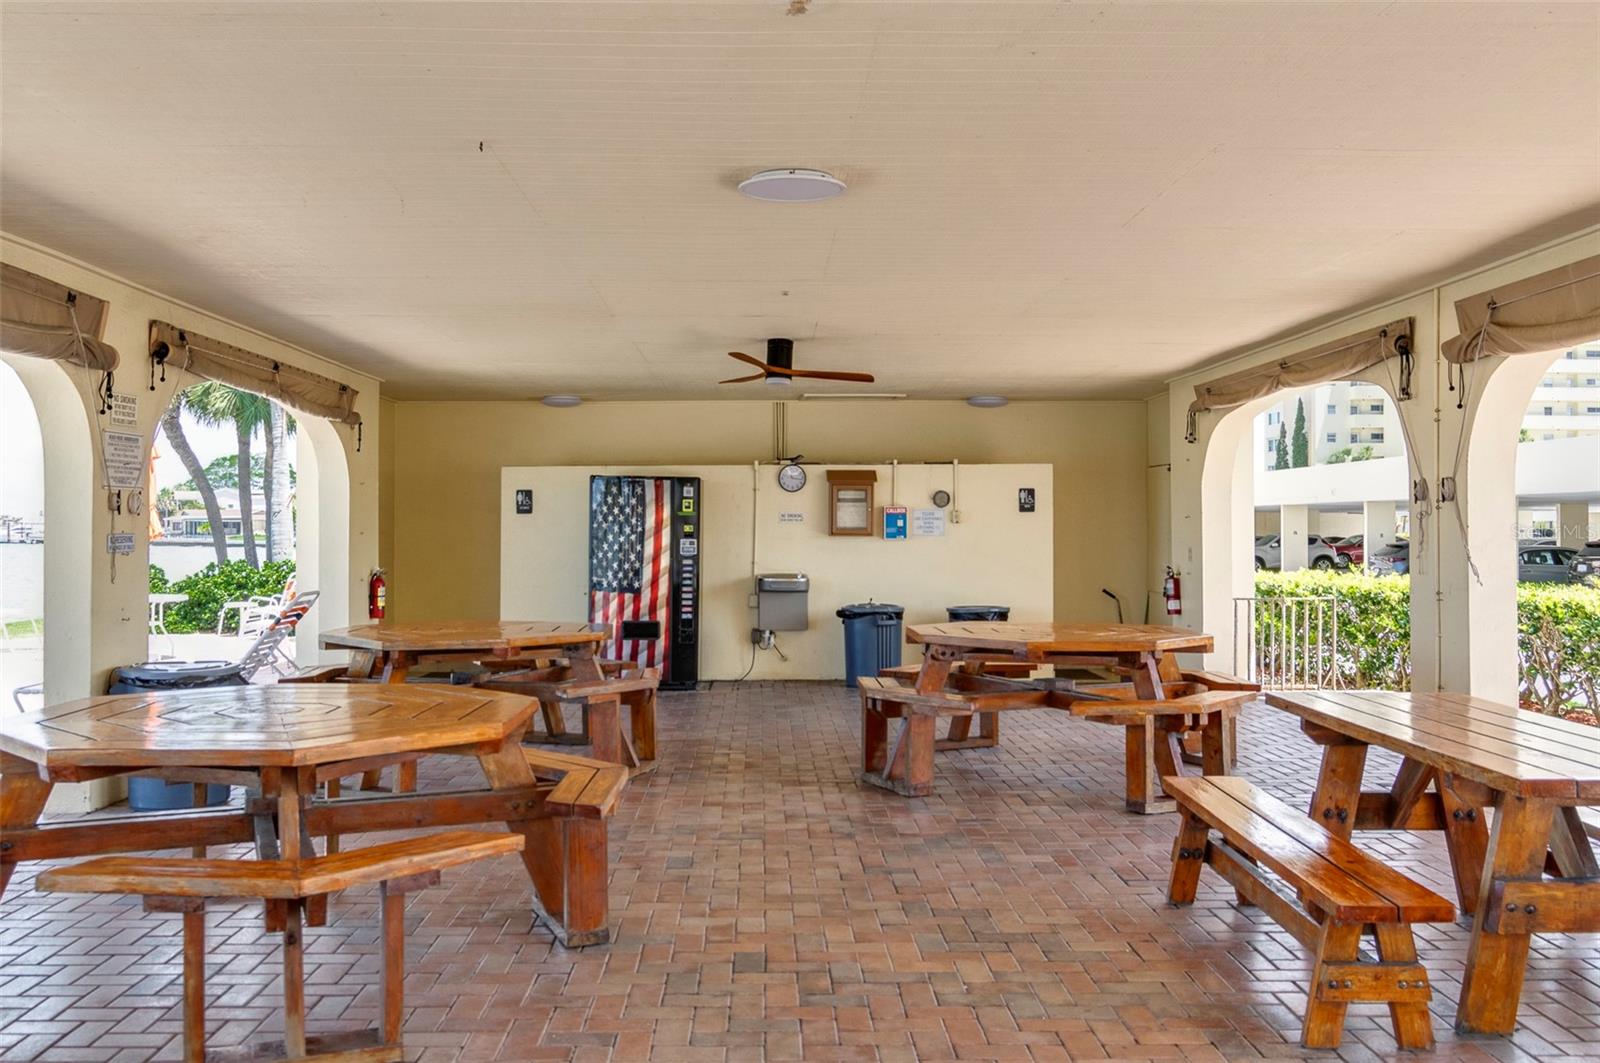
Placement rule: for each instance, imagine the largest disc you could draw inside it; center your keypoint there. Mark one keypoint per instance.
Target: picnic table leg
(1466, 838)
(603, 721)
(1142, 782)
(1217, 744)
(565, 858)
(874, 737)
(1338, 791)
(642, 713)
(22, 798)
(1497, 961)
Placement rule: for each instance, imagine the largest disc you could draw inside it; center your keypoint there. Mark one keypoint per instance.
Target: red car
(1350, 549)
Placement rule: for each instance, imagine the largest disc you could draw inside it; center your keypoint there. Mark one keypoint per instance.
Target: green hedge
(1558, 633)
(213, 586)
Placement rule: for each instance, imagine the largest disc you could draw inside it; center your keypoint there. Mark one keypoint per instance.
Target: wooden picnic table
(1533, 872)
(283, 741)
(389, 651)
(953, 673)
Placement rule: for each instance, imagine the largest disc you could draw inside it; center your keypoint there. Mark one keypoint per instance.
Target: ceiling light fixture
(561, 402)
(987, 402)
(791, 186)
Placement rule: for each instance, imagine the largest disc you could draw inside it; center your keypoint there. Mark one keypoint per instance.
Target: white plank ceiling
(1046, 199)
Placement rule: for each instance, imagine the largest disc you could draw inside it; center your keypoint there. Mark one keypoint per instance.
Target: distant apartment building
(1567, 401)
(1344, 420)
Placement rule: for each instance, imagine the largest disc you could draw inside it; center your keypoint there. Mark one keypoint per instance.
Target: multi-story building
(1567, 401)
(1343, 420)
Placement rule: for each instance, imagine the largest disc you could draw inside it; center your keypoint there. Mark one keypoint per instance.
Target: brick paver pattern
(765, 906)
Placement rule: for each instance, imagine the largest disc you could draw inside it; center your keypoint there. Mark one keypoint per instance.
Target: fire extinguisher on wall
(1172, 591)
(377, 594)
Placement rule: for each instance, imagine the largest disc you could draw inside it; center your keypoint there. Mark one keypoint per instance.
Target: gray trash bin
(872, 638)
(996, 613)
(153, 795)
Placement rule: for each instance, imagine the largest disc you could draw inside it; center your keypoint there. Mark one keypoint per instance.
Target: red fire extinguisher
(377, 595)
(1172, 591)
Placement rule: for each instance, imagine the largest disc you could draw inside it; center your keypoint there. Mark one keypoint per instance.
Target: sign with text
(124, 458)
(124, 411)
(927, 522)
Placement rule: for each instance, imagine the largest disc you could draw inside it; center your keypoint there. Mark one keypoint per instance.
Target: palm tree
(172, 425)
(218, 404)
(280, 531)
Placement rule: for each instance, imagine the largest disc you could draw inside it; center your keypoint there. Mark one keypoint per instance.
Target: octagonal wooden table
(389, 651)
(1145, 653)
(282, 741)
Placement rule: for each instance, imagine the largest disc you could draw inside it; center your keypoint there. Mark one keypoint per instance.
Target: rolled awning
(289, 385)
(1546, 312)
(42, 319)
(1336, 360)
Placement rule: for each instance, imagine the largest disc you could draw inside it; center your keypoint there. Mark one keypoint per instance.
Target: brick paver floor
(766, 907)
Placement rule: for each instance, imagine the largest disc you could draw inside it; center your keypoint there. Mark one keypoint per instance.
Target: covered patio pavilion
(1005, 287)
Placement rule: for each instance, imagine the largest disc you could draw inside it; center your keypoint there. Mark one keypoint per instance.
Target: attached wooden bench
(1341, 891)
(577, 809)
(622, 685)
(959, 736)
(170, 884)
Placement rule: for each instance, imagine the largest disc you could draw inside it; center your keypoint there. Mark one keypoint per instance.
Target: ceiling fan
(779, 367)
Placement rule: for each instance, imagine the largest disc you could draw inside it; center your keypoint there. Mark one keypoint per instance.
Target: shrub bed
(1558, 635)
(215, 585)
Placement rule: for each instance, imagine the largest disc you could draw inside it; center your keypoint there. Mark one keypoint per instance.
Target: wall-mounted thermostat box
(894, 522)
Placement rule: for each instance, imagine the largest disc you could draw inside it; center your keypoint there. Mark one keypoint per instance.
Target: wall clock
(941, 498)
(792, 477)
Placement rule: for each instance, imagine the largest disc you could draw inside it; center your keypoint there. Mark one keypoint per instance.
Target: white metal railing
(1287, 643)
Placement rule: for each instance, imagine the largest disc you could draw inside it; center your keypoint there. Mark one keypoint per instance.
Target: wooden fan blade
(745, 358)
(824, 374)
(743, 379)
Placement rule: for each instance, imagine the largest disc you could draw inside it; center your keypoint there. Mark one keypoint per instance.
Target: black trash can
(153, 795)
(872, 638)
(997, 613)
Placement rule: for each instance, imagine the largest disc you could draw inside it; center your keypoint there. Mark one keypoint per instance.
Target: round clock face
(791, 477)
(941, 498)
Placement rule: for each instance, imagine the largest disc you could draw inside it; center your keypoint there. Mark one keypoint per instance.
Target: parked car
(1350, 549)
(1585, 563)
(1545, 564)
(1391, 560)
(1269, 553)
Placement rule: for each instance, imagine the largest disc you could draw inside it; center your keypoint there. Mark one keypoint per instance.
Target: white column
(1572, 524)
(1294, 524)
(1377, 526)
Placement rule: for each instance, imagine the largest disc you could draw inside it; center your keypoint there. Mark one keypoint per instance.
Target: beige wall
(96, 614)
(544, 555)
(448, 458)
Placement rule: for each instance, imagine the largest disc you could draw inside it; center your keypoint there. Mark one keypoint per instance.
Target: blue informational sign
(894, 522)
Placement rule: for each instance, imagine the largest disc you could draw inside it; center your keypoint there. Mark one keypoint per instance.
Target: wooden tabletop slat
(1434, 739)
(1521, 730)
(1040, 640)
(459, 636)
(259, 726)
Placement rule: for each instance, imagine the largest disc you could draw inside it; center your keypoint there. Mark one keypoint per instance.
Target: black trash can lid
(177, 673)
(860, 609)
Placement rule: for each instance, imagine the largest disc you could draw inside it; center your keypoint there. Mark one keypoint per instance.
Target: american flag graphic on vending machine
(630, 566)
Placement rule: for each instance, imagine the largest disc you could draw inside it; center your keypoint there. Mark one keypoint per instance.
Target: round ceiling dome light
(561, 402)
(987, 402)
(791, 186)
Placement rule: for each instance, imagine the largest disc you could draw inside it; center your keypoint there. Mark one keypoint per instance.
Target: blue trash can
(872, 638)
(995, 613)
(153, 795)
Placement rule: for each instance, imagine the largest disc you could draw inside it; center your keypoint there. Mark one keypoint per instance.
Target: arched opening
(1313, 479)
(1530, 480)
(45, 585)
(210, 589)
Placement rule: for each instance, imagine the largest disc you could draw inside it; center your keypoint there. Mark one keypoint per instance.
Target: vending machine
(644, 572)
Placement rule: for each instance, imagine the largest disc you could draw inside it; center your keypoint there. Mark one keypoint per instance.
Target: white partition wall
(995, 554)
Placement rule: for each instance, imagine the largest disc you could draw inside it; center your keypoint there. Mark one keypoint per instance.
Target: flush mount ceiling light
(791, 186)
(987, 402)
(561, 401)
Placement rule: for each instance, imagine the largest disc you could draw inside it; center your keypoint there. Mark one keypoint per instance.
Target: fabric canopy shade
(223, 362)
(43, 319)
(1335, 360)
(1536, 315)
